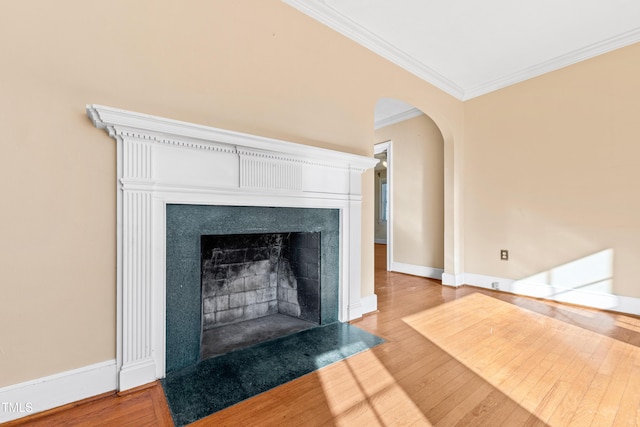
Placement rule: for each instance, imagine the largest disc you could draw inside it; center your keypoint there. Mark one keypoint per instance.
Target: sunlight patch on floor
(559, 372)
(380, 401)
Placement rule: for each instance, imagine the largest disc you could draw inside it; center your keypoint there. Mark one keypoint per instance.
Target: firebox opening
(257, 287)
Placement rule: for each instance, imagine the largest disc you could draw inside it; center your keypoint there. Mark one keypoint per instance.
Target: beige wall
(552, 171)
(417, 179)
(256, 66)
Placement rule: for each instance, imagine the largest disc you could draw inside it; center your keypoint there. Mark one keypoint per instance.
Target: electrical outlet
(504, 255)
(495, 285)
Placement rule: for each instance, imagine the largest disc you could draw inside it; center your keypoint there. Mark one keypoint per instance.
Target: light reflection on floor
(559, 372)
(380, 401)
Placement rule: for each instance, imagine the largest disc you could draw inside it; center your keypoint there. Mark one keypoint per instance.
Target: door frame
(377, 149)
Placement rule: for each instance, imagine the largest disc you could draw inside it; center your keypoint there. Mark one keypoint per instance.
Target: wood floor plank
(454, 409)
(553, 387)
(615, 385)
(586, 411)
(553, 398)
(578, 387)
(628, 413)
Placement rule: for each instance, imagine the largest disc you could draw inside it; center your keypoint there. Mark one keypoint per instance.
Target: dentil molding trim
(129, 124)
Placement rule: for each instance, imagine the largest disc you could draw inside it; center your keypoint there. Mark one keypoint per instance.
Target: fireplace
(163, 164)
(210, 253)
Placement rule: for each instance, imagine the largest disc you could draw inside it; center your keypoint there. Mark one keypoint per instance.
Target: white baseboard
(417, 270)
(483, 281)
(621, 304)
(453, 280)
(369, 303)
(140, 372)
(354, 311)
(20, 400)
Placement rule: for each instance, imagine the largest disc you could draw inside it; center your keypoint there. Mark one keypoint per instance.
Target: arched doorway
(412, 185)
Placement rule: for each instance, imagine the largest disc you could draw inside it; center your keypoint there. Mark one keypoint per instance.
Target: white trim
(483, 281)
(130, 124)
(397, 118)
(327, 15)
(453, 280)
(369, 303)
(554, 64)
(355, 310)
(162, 161)
(617, 303)
(377, 149)
(381, 147)
(56, 390)
(417, 270)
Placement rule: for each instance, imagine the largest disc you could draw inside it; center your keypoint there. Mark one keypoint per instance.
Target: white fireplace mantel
(162, 161)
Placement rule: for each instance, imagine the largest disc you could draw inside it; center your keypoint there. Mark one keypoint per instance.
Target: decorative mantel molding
(129, 124)
(162, 161)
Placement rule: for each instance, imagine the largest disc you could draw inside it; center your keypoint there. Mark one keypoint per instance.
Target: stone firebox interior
(228, 265)
(257, 287)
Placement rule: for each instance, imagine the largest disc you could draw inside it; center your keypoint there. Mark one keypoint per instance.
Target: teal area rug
(214, 384)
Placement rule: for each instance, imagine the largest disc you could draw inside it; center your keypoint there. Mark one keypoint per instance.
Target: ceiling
(469, 48)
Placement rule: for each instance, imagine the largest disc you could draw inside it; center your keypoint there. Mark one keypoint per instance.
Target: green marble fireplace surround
(185, 224)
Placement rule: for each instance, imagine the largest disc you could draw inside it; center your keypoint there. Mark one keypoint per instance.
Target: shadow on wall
(585, 281)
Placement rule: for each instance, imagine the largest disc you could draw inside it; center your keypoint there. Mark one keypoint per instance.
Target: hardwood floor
(145, 406)
(461, 356)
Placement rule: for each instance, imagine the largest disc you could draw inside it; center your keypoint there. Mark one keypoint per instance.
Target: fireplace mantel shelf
(169, 131)
(162, 161)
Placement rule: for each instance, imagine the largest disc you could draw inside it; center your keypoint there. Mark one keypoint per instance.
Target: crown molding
(573, 57)
(397, 118)
(325, 14)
